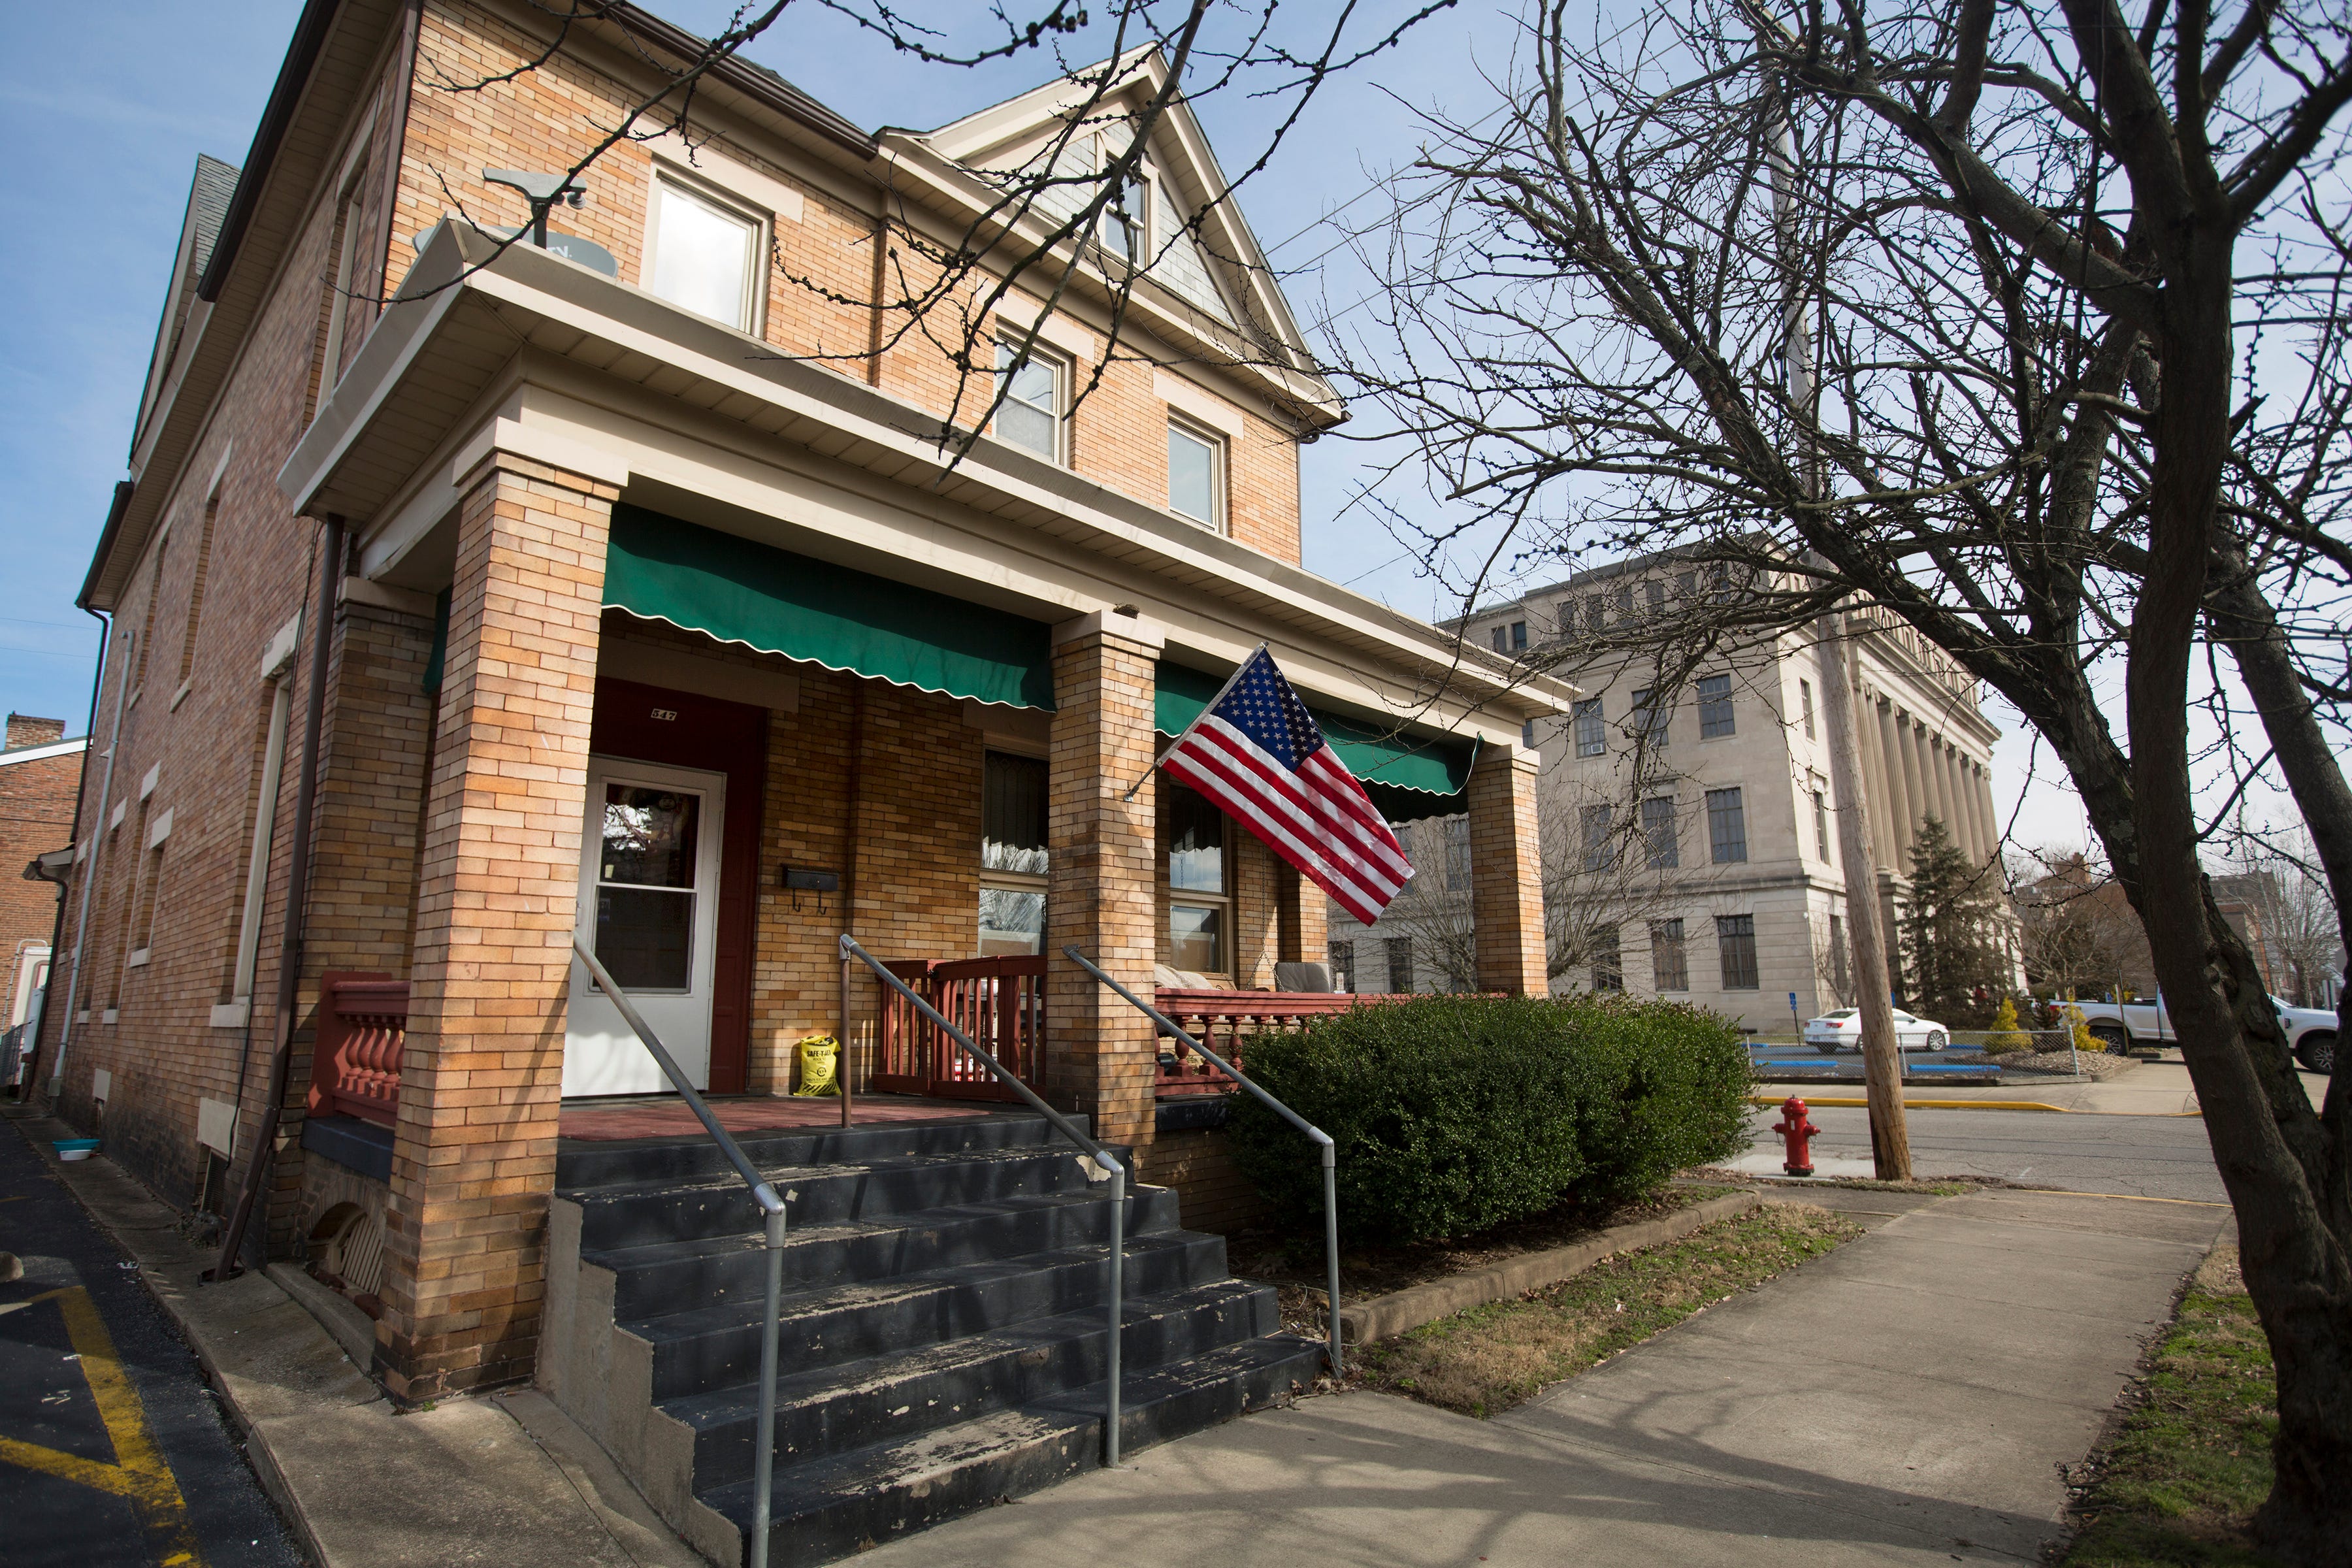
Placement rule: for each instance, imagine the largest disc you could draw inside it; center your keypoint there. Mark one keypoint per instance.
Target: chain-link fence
(1978, 1054)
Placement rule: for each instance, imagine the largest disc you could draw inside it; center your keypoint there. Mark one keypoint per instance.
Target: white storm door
(649, 910)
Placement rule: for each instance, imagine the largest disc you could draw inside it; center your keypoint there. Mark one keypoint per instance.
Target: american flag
(1259, 754)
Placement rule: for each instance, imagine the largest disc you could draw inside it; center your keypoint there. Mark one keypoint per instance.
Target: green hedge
(1454, 1113)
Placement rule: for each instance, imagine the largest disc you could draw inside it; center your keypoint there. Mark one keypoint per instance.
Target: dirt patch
(1297, 1258)
(2094, 1065)
(1491, 1358)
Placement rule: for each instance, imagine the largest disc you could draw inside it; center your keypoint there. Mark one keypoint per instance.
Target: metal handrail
(1322, 1140)
(1096, 1152)
(771, 1209)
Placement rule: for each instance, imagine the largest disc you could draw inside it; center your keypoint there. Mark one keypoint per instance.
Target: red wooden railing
(998, 1002)
(1222, 1020)
(355, 1065)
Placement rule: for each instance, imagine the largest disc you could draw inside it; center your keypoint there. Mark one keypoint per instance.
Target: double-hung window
(1726, 827)
(1658, 836)
(706, 254)
(1649, 722)
(1599, 855)
(1714, 706)
(1030, 413)
(1608, 960)
(1197, 894)
(1012, 855)
(1196, 476)
(1735, 941)
(1591, 735)
(1669, 956)
(1805, 700)
(1822, 824)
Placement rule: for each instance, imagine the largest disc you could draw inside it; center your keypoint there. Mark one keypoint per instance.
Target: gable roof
(1226, 276)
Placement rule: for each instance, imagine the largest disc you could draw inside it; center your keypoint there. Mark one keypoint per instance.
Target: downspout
(89, 872)
(298, 889)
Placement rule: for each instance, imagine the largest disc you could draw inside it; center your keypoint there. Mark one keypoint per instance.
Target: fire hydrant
(1799, 1133)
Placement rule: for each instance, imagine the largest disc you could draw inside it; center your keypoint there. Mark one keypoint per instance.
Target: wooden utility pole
(1881, 1067)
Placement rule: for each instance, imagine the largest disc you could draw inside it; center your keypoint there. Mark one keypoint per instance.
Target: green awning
(1408, 777)
(732, 589)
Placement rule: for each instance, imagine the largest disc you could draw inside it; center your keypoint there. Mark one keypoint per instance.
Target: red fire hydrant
(1799, 1133)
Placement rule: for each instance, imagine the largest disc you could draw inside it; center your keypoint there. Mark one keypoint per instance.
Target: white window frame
(1215, 441)
(755, 272)
(1060, 364)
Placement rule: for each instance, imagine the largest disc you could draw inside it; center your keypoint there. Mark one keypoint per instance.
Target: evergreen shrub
(1453, 1114)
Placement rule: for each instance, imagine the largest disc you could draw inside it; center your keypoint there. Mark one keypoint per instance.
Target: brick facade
(1506, 872)
(474, 1158)
(39, 776)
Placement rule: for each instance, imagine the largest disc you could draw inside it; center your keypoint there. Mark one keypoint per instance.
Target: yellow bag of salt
(820, 1063)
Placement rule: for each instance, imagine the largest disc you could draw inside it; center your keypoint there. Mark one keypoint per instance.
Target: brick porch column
(1506, 871)
(1302, 917)
(474, 1156)
(1099, 885)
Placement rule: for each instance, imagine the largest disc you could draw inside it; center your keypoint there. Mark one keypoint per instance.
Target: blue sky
(110, 109)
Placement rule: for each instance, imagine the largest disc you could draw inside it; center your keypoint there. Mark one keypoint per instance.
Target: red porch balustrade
(355, 1065)
(362, 1025)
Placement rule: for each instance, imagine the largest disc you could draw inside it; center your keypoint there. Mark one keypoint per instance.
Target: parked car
(2145, 1025)
(1842, 1031)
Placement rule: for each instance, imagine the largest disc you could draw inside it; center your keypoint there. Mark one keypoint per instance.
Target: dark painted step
(826, 1509)
(584, 1163)
(893, 1398)
(711, 1347)
(821, 1194)
(670, 1277)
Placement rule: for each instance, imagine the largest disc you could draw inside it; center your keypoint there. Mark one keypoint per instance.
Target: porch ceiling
(446, 360)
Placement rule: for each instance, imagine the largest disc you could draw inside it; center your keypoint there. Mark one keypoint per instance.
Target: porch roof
(527, 350)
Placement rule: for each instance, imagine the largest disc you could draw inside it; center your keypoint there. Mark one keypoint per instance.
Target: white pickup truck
(2143, 1026)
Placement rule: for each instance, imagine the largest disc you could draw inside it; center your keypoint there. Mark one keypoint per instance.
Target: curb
(1767, 1100)
(1383, 1317)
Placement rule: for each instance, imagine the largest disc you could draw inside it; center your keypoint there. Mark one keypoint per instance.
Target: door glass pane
(1192, 939)
(702, 257)
(643, 935)
(644, 903)
(650, 836)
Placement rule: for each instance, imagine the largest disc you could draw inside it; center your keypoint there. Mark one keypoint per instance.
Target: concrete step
(638, 1214)
(828, 1509)
(582, 1164)
(894, 1396)
(659, 1277)
(712, 1346)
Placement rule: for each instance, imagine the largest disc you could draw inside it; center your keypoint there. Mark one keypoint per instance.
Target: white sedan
(1842, 1031)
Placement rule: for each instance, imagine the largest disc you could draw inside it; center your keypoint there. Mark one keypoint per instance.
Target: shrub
(2006, 1036)
(1451, 1114)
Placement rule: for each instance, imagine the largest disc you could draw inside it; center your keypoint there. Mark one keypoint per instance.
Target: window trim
(762, 225)
(1219, 468)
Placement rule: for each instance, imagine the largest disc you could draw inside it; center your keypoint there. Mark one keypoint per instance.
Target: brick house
(39, 771)
(656, 613)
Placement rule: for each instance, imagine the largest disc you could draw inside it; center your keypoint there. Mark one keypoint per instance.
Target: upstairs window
(1649, 723)
(706, 256)
(1726, 827)
(1591, 733)
(1031, 413)
(1659, 837)
(1519, 636)
(1822, 824)
(1714, 706)
(1196, 476)
(1805, 702)
(1598, 853)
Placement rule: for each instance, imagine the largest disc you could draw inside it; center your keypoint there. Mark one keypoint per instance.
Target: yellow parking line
(1918, 1104)
(139, 1473)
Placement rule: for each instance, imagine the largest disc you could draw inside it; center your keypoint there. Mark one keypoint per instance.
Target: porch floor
(660, 1116)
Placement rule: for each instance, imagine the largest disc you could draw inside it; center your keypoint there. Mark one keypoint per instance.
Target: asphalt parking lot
(113, 1449)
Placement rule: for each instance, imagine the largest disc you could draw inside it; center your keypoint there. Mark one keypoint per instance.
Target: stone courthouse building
(655, 610)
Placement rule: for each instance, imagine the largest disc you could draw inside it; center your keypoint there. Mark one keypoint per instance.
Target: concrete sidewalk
(506, 1479)
(1806, 1423)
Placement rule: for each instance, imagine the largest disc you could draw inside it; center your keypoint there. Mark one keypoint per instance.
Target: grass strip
(1490, 1358)
(2190, 1461)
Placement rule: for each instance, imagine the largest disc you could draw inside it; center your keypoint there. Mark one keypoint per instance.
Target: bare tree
(2029, 229)
(2294, 914)
(2078, 933)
